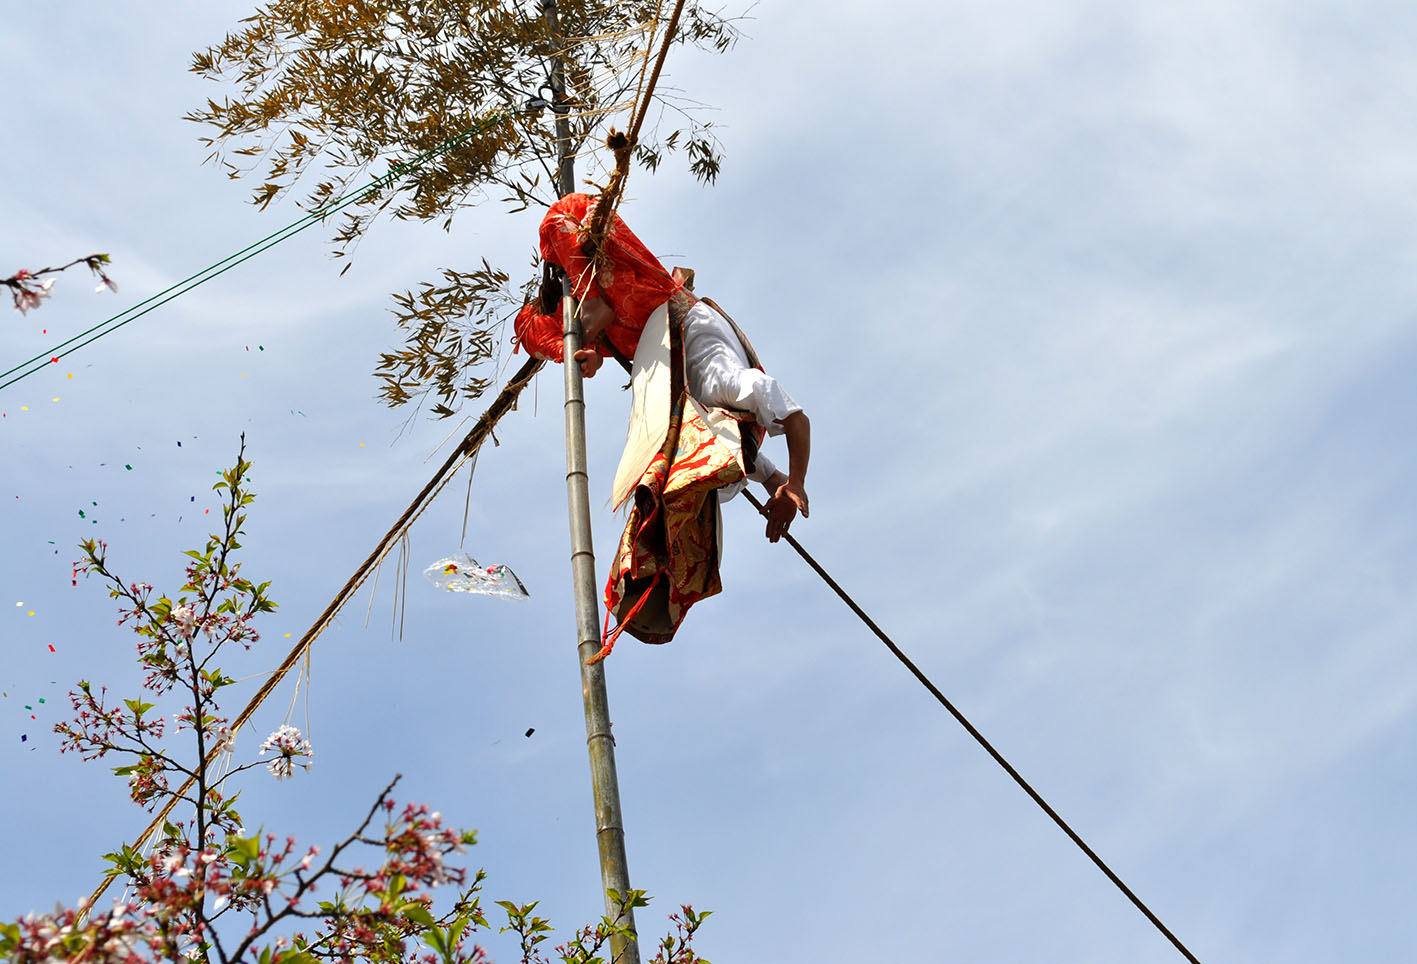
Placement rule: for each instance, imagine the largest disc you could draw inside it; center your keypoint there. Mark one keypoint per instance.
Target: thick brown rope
(468, 447)
(623, 145)
(643, 106)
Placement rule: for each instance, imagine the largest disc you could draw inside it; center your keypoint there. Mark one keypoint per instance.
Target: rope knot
(621, 146)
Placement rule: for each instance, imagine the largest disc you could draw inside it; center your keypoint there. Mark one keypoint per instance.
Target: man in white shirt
(719, 373)
(695, 428)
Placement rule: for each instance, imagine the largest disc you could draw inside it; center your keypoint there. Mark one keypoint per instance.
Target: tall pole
(605, 785)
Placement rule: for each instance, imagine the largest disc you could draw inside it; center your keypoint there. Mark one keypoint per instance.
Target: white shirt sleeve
(763, 469)
(718, 373)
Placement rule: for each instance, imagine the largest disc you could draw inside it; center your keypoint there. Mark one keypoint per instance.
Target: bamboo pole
(600, 744)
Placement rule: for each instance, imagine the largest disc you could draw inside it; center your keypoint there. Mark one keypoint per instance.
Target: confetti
(128, 467)
(55, 398)
(51, 649)
(24, 737)
(530, 730)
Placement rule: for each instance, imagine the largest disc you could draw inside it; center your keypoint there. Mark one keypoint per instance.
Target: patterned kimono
(669, 552)
(679, 453)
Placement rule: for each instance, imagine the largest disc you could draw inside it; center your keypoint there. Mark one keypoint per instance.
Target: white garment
(719, 374)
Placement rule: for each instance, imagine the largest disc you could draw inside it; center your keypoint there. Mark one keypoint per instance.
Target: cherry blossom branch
(189, 895)
(28, 291)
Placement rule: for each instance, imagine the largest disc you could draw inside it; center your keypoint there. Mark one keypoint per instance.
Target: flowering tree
(209, 890)
(28, 289)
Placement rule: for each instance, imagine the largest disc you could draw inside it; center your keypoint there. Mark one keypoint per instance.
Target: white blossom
(226, 742)
(289, 743)
(30, 297)
(186, 619)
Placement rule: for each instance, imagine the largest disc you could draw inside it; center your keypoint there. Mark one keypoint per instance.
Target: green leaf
(246, 848)
(418, 913)
(435, 939)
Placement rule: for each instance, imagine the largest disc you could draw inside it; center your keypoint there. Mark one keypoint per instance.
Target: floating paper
(462, 573)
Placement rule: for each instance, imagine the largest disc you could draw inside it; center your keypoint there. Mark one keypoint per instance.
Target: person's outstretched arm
(787, 494)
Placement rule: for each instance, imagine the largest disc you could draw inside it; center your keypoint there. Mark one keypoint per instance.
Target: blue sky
(1103, 316)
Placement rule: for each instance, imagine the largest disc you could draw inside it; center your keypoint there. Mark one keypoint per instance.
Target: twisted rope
(465, 450)
(623, 145)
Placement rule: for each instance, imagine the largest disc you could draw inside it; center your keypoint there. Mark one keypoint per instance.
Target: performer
(713, 396)
(618, 293)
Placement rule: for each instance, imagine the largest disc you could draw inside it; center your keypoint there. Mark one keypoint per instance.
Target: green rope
(230, 261)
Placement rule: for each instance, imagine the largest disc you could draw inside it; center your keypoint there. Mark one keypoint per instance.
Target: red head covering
(626, 275)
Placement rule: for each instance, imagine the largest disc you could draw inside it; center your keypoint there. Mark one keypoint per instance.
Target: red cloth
(626, 275)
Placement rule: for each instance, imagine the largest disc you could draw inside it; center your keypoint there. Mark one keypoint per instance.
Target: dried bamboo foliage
(326, 94)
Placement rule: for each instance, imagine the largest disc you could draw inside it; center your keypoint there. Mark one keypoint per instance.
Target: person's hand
(782, 508)
(590, 360)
